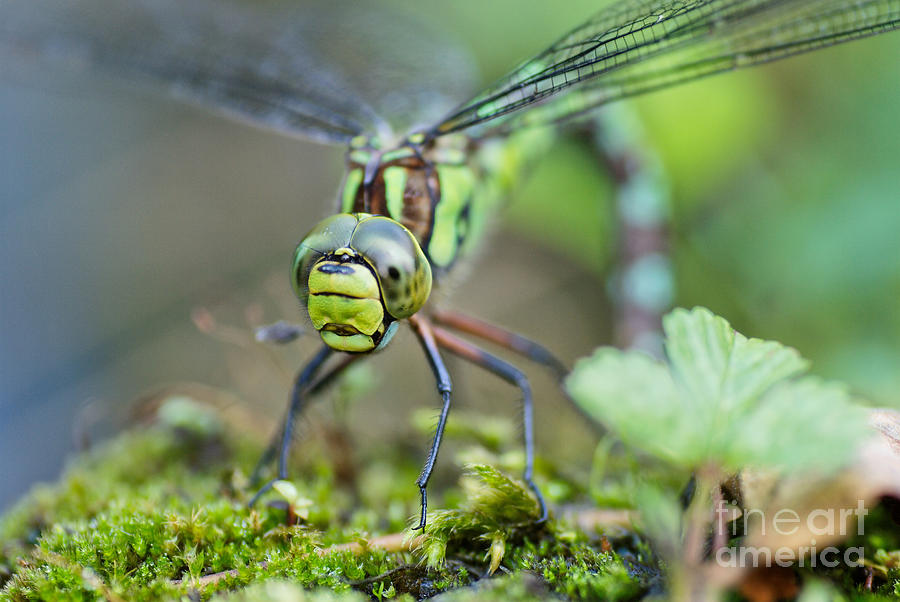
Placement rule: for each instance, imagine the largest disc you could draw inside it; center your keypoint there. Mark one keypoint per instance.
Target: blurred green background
(121, 211)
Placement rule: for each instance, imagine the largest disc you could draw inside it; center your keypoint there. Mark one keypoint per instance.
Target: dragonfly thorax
(426, 188)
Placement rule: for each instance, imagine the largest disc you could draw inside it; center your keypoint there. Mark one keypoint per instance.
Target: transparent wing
(321, 70)
(642, 45)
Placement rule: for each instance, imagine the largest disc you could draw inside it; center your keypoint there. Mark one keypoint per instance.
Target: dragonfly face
(358, 274)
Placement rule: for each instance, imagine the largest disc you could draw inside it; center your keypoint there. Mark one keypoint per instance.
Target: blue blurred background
(121, 211)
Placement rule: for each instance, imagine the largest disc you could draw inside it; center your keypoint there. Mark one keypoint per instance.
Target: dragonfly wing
(317, 70)
(409, 71)
(639, 46)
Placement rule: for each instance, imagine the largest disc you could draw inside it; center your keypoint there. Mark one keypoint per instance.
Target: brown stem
(719, 530)
(394, 542)
(697, 521)
(690, 576)
(592, 518)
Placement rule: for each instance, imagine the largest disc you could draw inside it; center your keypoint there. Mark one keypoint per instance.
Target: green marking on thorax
(360, 156)
(403, 152)
(394, 186)
(498, 167)
(457, 184)
(363, 141)
(351, 187)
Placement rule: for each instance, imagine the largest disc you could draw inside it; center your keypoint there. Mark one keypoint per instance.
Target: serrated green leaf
(800, 424)
(635, 396)
(724, 400)
(720, 366)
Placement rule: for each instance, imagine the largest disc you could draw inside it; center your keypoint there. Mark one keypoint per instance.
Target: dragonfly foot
(540, 500)
(260, 493)
(424, 510)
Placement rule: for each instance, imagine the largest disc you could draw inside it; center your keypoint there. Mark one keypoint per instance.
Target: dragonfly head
(358, 274)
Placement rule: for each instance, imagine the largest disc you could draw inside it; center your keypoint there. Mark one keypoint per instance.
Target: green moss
(881, 545)
(162, 512)
(586, 573)
(497, 525)
(497, 509)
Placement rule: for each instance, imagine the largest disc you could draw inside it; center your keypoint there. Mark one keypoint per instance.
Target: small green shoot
(497, 508)
(298, 505)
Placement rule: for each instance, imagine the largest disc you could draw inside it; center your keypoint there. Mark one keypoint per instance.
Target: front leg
(314, 388)
(280, 332)
(299, 394)
(426, 338)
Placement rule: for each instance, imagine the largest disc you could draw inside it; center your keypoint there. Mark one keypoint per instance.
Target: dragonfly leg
(517, 344)
(303, 387)
(320, 384)
(280, 332)
(512, 375)
(504, 338)
(425, 334)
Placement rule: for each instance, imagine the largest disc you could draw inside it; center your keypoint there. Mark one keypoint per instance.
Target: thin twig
(401, 542)
(394, 542)
(593, 518)
(719, 518)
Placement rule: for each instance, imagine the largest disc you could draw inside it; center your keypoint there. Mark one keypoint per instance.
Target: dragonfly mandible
(418, 188)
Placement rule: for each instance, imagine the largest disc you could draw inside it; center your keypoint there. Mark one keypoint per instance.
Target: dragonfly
(423, 170)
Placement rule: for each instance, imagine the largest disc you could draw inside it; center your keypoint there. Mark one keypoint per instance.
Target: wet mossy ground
(161, 513)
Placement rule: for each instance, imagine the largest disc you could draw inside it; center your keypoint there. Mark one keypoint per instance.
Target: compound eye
(328, 235)
(403, 271)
